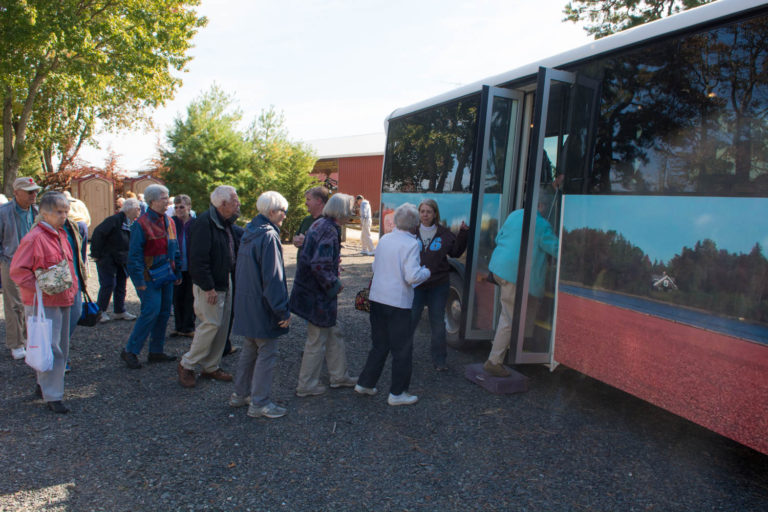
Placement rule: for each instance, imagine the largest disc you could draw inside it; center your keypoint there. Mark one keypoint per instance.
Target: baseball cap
(27, 184)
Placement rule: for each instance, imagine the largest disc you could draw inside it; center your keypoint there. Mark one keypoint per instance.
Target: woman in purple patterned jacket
(314, 298)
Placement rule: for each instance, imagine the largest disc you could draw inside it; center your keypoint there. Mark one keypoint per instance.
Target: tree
(71, 62)
(278, 164)
(207, 149)
(607, 17)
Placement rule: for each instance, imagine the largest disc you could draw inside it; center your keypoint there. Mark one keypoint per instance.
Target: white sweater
(397, 270)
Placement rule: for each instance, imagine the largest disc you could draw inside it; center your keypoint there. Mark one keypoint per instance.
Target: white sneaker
(19, 353)
(268, 411)
(403, 398)
(365, 391)
(236, 400)
(104, 317)
(123, 316)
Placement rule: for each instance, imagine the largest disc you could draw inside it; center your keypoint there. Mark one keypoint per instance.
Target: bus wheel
(453, 308)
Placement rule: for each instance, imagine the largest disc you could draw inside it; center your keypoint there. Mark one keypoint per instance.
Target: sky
(338, 67)
(734, 224)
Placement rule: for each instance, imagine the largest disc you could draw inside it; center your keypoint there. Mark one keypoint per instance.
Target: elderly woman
(261, 307)
(437, 243)
(153, 265)
(314, 298)
(44, 246)
(109, 249)
(396, 271)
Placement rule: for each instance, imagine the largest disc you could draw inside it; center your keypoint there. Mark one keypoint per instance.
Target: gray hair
(130, 204)
(51, 200)
(270, 201)
(222, 194)
(182, 198)
(406, 217)
(339, 206)
(154, 192)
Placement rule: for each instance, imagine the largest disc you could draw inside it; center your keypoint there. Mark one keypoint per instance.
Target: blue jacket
(506, 255)
(316, 286)
(261, 291)
(135, 263)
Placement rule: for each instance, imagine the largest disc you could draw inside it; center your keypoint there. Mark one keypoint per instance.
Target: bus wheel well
(453, 311)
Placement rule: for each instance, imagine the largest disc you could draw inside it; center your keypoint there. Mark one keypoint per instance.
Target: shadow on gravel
(136, 440)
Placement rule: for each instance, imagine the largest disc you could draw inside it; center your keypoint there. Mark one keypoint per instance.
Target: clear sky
(662, 226)
(339, 67)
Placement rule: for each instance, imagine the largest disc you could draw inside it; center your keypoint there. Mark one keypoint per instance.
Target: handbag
(54, 279)
(39, 336)
(91, 313)
(362, 303)
(162, 274)
(57, 278)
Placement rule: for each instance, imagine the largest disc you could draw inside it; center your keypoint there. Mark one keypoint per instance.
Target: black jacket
(109, 241)
(210, 265)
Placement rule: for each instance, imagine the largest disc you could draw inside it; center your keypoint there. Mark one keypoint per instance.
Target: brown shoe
(186, 377)
(217, 374)
(496, 370)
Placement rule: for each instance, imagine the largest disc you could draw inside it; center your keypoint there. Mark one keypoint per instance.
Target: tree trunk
(9, 171)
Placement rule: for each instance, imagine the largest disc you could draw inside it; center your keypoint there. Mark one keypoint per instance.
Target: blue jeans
(153, 319)
(434, 298)
(390, 329)
(112, 280)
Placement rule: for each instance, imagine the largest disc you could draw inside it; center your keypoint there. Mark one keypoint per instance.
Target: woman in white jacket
(396, 270)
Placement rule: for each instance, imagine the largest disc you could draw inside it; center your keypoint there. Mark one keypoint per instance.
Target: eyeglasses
(282, 210)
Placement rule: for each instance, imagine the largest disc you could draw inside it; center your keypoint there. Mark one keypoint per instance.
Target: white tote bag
(39, 337)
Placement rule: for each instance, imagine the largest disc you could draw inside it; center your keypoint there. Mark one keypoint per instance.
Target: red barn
(354, 163)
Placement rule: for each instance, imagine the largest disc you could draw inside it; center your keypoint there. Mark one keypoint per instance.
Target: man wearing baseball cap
(16, 218)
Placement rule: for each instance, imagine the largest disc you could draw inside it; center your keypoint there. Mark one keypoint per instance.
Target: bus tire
(453, 309)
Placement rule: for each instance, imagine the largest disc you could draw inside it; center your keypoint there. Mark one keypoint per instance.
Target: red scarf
(157, 232)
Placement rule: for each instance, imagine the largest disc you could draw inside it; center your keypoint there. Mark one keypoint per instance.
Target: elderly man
(153, 265)
(16, 219)
(314, 199)
(212, 252)
(365, 225)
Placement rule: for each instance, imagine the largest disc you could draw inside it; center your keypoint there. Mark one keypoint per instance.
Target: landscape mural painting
(666, 297)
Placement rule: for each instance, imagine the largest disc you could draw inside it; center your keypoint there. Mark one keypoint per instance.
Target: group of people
(229, 279)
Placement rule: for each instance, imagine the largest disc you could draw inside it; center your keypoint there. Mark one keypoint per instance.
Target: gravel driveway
(136, 440)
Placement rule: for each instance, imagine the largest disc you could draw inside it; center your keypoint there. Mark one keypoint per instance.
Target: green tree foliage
(606, 17)
(68, 63)
(280, 165)
(207, 149)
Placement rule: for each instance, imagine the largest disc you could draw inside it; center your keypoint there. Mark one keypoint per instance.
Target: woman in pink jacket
(44, 246)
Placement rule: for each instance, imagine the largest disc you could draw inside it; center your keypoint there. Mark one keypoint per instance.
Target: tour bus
(649, 150)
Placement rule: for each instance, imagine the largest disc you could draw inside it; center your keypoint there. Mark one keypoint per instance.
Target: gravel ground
(136, 440)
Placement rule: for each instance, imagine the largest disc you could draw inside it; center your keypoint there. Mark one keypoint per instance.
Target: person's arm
(24, 263)
(322, 265)
(135, 264)
(414, 273)
(272, 279)
(200, 254)
(98, 240)
(548, 241)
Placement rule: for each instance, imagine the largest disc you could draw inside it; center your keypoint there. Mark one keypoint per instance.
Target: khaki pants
(503, 335)
(323, 343)
(211, 335)
(15, 322)
(365, 235)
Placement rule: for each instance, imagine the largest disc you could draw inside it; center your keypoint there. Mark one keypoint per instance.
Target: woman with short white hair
(314, 298)
(43, 248)
(396, 270)
(261, 307)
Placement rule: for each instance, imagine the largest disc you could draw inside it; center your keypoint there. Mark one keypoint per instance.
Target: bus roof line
(704, 14)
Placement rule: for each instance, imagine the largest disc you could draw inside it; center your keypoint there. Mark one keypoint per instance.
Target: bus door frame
(532, 180)
(481, 163)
